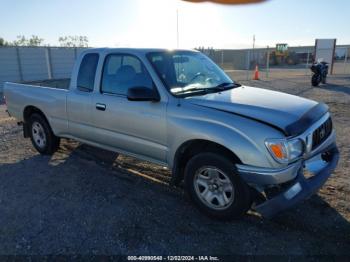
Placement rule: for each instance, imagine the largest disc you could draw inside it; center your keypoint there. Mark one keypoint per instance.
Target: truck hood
(290, 114)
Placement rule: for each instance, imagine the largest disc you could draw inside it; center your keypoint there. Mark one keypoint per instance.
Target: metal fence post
(248, 64)
(307, 63)
(48, 62)
(345, 59)
(267, 62)
(222, 58)
(19, 63)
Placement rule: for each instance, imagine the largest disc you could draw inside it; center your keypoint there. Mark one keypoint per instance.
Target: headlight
(295, 148)
(284, 150)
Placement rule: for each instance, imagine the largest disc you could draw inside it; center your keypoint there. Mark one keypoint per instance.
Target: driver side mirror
(142, 93)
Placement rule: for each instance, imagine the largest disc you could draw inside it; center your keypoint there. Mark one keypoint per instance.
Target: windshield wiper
(221, 87)
(227, 84)
(197, 89)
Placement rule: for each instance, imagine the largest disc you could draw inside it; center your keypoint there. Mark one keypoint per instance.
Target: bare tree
(73, 41)
(23, 41)
(35, 41)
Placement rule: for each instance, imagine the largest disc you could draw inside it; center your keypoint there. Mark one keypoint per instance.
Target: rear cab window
(87, 72)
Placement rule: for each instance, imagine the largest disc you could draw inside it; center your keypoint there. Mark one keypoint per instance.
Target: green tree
(2, 42)
(73, 41)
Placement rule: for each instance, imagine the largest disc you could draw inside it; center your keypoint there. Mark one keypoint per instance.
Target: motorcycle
(320, 71)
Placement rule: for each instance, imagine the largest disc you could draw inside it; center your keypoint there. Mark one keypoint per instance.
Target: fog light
(327, 157)
(291, 192)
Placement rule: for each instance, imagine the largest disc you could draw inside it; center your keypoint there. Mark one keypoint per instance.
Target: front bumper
(299, 187)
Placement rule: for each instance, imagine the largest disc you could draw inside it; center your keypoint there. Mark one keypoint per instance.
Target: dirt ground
(84, 200)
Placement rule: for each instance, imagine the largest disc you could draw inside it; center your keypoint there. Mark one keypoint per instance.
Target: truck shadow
(84, 199)
(116, 162)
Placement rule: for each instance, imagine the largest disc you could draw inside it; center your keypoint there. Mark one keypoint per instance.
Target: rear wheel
(215, 188)
(41, 135)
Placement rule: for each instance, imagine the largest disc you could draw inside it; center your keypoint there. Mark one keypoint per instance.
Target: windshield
(187, 73)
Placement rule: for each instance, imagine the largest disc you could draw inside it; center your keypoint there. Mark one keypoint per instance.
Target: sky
(153, 23)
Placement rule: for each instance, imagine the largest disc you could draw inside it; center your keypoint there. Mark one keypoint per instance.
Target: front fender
(244, 137)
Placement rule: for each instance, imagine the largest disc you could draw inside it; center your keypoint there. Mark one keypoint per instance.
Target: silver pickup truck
(235, 147)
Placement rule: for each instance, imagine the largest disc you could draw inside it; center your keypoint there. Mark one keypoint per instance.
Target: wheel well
(193, 147)
(28, 111)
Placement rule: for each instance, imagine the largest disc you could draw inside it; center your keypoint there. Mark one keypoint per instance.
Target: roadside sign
(324, 50)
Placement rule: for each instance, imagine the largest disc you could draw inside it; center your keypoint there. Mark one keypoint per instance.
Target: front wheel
(215, 187)
(315, 80)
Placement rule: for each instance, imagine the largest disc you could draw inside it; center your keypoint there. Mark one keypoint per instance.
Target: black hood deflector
(306, 120)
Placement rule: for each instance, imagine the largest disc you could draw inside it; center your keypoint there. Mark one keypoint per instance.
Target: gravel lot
(88, 201)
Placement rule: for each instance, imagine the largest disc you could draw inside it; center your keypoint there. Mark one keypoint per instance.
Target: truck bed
(47, 96)
(62, 83)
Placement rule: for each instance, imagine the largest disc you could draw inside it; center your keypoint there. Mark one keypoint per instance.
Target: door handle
(101, 107)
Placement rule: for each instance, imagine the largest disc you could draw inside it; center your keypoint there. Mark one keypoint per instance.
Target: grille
(321, 133)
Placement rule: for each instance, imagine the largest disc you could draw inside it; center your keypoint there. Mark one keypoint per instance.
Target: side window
(120, 72)
(87, 72)
(134, 62)
(114, 63)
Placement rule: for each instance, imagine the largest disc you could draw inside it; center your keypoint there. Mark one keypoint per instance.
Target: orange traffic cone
(256, 73)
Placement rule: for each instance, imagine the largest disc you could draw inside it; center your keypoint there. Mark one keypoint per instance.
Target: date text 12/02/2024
(173, 258)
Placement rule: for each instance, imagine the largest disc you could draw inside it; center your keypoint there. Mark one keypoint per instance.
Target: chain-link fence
(241, 64)
(342, 65)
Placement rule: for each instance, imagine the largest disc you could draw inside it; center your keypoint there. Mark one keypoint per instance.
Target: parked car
(235, 147)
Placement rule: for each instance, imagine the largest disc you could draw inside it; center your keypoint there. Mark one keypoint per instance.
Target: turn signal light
(277, 151)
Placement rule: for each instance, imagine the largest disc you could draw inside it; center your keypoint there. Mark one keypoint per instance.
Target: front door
(135, 127)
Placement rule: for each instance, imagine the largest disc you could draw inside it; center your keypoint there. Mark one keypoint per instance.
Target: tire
(315, 80)
(41, 135)
(208, 165)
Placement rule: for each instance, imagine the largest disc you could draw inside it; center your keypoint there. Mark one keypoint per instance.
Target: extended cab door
(79, 99)
(136, 127)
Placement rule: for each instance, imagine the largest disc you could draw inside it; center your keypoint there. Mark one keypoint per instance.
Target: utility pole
(177, 28)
